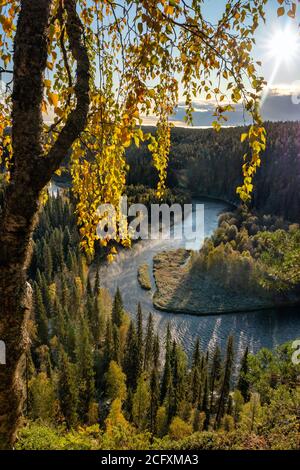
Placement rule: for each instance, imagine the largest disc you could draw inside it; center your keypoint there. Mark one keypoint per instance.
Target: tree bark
(31, 171)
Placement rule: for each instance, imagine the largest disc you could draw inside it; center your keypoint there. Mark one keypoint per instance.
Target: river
(266, 328)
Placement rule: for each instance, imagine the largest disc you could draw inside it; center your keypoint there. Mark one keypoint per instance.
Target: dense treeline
(209, 163)
(259, 253)
(92, 366)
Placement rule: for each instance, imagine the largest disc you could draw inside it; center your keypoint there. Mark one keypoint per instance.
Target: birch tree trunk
(31, 171)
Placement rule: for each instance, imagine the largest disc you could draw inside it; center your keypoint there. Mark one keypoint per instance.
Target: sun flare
(283, 45)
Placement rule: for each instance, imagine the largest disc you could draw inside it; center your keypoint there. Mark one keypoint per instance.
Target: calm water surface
(256, 329)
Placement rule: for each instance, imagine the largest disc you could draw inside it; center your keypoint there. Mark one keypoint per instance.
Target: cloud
(281, 104)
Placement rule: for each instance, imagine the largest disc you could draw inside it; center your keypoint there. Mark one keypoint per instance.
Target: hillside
(209, 163)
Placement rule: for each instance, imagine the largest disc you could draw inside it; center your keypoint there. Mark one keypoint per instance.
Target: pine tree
(97, 283)
(65, 294)
(96, 323)
(148, 355)
(89, 292)
(156, 352)
(243, 383)
(59, 321)
(177, 381)
(48, 263)
(180, 379)
(196, 374)
(140, 339)
(70, 337)
(46, 295)
(116, 344)
(117, 309)
(40, 315)
(67, 241)
(131, 358)
(108, 346)
(56, 249)
(196, 354)
(154, 399)
(225, 384)
(170, 400)
(215, 374)
(167, 372)
(204, 406)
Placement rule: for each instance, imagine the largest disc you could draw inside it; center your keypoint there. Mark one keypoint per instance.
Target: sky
(281, 101)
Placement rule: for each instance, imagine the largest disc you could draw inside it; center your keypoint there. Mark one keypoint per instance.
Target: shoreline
(227, 312)
(182, 290)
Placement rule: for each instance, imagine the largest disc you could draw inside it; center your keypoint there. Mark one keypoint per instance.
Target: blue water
(266, 328)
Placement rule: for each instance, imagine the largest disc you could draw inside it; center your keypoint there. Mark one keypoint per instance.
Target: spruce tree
(116, 344)
(196, 374)
(97, 283)
(96, 320)
(108, 346)
(65, 294)
(204, 406)
(140, 339)
(167, 372)
(131, 357)
(48, 262)
(59, 321)
(117, 309)
(154, 399)
(70, 337)
(148, 355)
(89, 292)
(215, 374)
(196, 354)
(40, 316)
(156, 352)
(170, 400)
(243, 383)
(225, 384)
(67, 241)
(46, 295)
(177, 381)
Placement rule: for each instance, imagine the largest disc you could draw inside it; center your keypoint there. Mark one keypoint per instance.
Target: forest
(98, 379)
(208, 163)
(79, 79)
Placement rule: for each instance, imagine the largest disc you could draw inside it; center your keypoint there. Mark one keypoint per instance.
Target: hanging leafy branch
(139, 57)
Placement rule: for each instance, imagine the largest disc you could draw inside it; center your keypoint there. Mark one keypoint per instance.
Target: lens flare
(283, 45)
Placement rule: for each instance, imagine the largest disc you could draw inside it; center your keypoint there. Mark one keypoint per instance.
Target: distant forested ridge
(210, 163)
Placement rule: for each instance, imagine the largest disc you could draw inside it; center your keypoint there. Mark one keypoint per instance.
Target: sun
(283, 45)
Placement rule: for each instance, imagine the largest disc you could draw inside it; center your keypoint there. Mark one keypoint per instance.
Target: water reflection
(256, 329)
